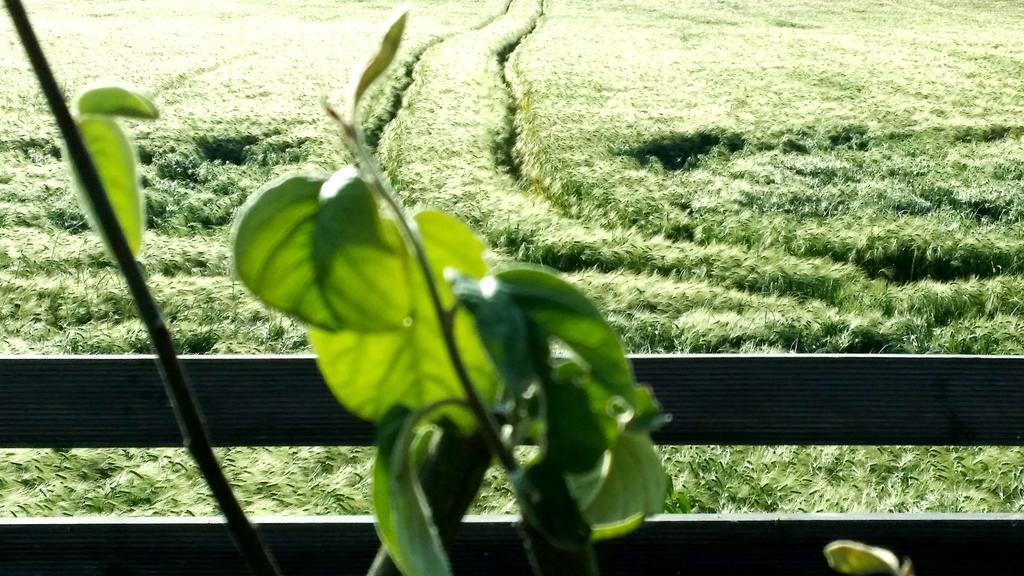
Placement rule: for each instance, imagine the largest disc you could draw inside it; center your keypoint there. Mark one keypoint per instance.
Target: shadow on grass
(678, 152)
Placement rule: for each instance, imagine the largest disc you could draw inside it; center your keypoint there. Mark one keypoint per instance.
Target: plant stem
(446, 318)
(489, 428)
(546, 559)
(186, 409)
(451, 478)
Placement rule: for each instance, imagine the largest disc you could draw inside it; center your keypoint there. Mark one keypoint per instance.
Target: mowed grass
(743, 176)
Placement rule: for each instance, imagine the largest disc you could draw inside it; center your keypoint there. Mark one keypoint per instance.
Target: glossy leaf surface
(319, 250)
(370, 373)
(115, 160)
(115, 100)
(633, 487)
(577, 434)
(502, 327)
(385, 55)
(567, 314)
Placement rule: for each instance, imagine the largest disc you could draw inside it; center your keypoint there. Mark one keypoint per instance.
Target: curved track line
(437, 153)
(378, 122)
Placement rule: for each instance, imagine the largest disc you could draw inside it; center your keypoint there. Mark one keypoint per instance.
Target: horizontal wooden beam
(97, 401)
(695, 545)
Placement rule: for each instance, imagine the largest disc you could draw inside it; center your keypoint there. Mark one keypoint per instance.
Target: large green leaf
(502, 327)
(567, 314)
(380, 61)
(115, 100)
(549, 506)
(319, 250)
(451, 244)
(361, 259)
(404, 520)
(370, 373)
(115, 160)
(577, 430)
(616, 500)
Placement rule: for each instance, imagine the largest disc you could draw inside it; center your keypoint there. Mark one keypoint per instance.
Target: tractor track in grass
(814, 191)
(183, 79)
(939, 305)
(512, 156)
(444, 149)
(504, 12)
(505, 146)
(467, 94)
(467, 90)
(377, 123)
(462, 90)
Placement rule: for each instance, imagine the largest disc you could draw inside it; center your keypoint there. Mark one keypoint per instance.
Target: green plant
(413, 331)
(455, 362)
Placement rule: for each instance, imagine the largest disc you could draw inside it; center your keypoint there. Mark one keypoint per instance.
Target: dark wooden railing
(108, 401)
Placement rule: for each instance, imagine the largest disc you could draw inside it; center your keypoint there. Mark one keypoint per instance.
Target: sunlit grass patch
(240, 92)
(825, 136)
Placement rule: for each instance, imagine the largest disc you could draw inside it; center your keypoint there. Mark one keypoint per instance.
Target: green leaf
(647, 415)
(115, 160)
(576, 426)
(577, 434)
(380, 61)
(548, 505)
(452, 245)
(404, 520)
(502, 327)
(115, 100)
(361, 259)
(857, 559)
(567, 314)
(631, 487)
(370, 373)
(320, 251)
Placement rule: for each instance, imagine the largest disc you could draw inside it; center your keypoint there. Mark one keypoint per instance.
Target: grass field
(793, 175)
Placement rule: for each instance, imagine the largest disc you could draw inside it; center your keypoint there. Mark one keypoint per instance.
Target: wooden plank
(100, 401)
(840, 399)
(695, 545)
